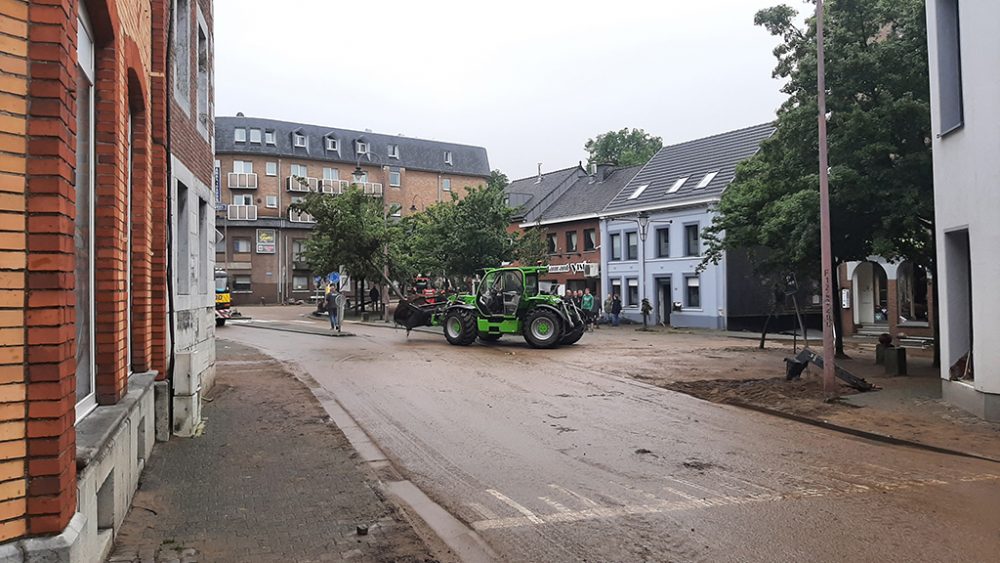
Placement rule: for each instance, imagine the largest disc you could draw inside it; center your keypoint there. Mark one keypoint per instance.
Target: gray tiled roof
(531, 197)
(417, 154)
(692, 160)
(587, 196)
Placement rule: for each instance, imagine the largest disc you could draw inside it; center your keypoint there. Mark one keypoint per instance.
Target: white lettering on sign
(575, 267)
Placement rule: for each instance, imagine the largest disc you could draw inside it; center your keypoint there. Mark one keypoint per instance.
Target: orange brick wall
(13, 151)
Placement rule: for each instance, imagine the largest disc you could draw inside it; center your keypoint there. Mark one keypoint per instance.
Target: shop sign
(266, 241)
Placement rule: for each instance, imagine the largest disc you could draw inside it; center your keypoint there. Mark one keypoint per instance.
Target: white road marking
(577, 496)
(513, 504)
(482, 510)
(554, 504)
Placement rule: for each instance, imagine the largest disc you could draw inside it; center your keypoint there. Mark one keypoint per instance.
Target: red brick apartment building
(85, 176)
(266, 165)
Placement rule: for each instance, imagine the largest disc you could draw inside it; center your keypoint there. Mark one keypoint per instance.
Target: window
(298, 139)
(393, 151)
(616, 288)
(255, 136)
(397, 210)
(677, 185)
(361, 147)
(269, 137)
(332, 144)
(551, 239)
(571, 241)
(589, 239)
(707, 180)
(448, 158)
(271, 168)
(633, 293)
(184, 257)
(446, 184)
(331, 174)
(83, 225)
(300, 283)
(692, 244)
(663, 243)
(243, 199)
(633, 246)
(241, 245)
(949, 66)
(182, 55)
(395, 178)
(692, 292)
(241, 284)
(616, 246)
(638, 191)
(240, 135)
(242, 167)
(362, 179)
(300, 170)
(271, 202)
(297, 249)
(204, 103)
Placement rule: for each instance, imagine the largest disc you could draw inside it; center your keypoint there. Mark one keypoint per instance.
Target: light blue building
(651, 234)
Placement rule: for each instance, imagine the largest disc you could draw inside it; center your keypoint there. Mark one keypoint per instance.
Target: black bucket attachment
(414, 312)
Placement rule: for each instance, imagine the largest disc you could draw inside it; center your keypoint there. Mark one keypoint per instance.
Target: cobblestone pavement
(271, 479)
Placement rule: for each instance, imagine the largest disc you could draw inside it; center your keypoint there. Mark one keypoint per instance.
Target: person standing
(333, 301)
(376, 298)
(616, 309)
(587, 304)
(607, 307)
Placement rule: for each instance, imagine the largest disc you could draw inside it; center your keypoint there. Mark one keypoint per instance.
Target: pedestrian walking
(587, 304)
(616, 309)
(607, 307)
(334, 299)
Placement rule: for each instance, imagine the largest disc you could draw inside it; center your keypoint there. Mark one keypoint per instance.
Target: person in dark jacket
(616, 310)
(334, 300)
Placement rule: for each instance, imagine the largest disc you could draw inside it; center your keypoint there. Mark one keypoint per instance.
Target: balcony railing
(302, 184)
(242, 181)
(335, 187)
(241, 212)
(300, 217)
(371, 188)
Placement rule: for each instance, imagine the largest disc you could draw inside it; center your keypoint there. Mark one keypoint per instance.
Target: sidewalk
(270, 480)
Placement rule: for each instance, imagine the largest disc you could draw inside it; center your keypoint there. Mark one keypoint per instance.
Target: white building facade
(964, 49)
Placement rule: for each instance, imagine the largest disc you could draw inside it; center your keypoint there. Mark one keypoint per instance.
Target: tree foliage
(628, 147)
(879, 142)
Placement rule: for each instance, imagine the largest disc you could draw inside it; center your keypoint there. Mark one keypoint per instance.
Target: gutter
(680, 205)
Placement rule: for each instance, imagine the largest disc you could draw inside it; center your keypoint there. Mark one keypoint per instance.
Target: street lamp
(643, 220)
(358, 174)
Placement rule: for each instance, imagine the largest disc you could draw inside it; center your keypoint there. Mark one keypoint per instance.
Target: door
(664, 298)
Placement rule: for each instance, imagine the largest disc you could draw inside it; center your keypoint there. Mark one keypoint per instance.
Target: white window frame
(240, 135)
(269, 137)
(299, 140)
(393, 151)
(236, 245)
(255, 136)
(448, 158)
(242, 199)
(242, 167)
(271, 202)
(445, 184)
(638, 191)
(248, 277)
(677, 185)
(271, 169)
(86, 61)
(687, 292)
(398, 177)
(295, 285)
(304, 169)
(707, 180)
(332, 144)
(362, 147)
(331, 173)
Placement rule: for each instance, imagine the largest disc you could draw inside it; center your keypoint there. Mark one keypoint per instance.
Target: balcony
(241, 212)
(335, 187)
(302, 184)
(371, 188)
(242, 181)
(300, 217)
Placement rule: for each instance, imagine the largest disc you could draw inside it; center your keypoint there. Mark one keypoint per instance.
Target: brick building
(85, 298)
(571, 219)
(264, 165)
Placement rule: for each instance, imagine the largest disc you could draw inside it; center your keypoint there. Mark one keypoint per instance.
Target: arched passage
(871, 294)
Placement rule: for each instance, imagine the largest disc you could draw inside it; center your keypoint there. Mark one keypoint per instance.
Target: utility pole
(824, 210)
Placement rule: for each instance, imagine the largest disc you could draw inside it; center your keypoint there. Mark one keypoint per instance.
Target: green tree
(498, 179)
(628, 147)
(532, 248)
(879, 141)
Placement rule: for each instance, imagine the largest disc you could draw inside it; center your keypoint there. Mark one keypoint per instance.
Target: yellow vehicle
(223, 298)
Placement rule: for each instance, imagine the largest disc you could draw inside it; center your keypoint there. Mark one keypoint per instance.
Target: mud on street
(563, 455)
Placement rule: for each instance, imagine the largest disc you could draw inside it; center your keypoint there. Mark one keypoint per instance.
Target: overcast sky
(529, 80)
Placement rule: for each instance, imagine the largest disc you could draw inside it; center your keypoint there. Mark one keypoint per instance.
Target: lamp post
(358, 174)
(826, 250)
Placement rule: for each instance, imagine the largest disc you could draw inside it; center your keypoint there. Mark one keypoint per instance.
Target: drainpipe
(168, 78)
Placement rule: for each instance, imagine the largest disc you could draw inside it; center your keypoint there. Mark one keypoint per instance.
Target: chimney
(600, 172)
(539, 180)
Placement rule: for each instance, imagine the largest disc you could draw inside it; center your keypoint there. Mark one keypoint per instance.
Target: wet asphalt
(548, 460)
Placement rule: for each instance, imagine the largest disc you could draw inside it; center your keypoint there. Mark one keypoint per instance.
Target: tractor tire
(543, 329)
(573, 336)
(220, 322)
(460, 327)
(489, 337)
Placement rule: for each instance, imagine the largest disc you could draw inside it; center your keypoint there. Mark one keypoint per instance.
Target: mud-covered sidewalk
(270, 479)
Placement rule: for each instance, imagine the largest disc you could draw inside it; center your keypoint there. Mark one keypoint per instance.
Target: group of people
(591, 307)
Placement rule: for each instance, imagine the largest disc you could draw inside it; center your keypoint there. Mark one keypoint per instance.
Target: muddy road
(551, 456)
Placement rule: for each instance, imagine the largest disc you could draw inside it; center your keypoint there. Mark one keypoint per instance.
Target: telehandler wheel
(573, 336)
(460, 327)
(543, 329)
(489, 337)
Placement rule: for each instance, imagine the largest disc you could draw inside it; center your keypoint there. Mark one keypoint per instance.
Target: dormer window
(393, 151)
(447, 158)
(255, 136)
(269, 137)
(332, 144)
(298, 139)
(361, 147)
(240, 135)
